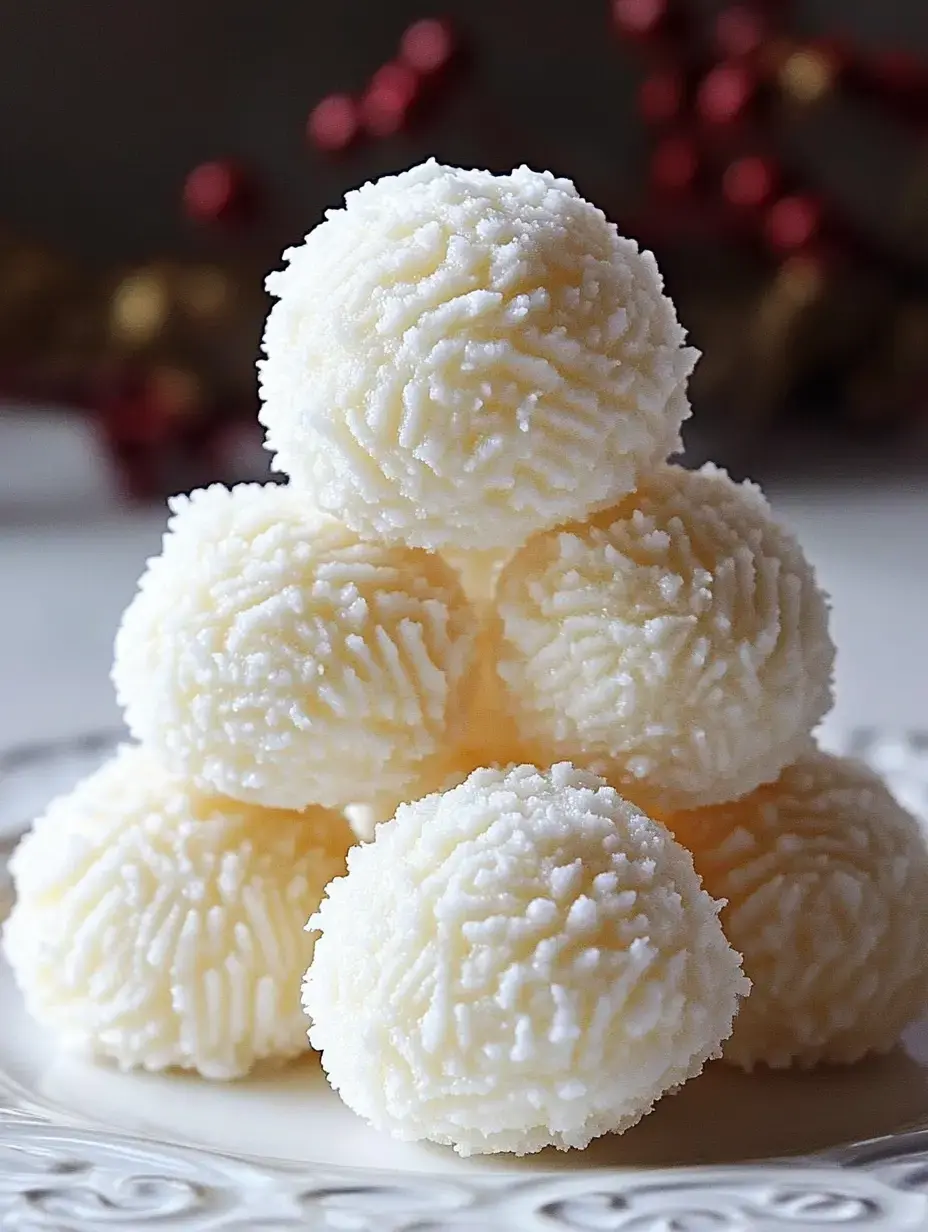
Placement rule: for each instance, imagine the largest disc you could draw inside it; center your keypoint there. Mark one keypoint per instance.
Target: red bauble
(793, 223)
(333, 123)
(749, 183)
(726, 93)
(640, 19)
(740, 30)
(388, 100)
(675, 164)
(428, 46)
(661, 96)
(218, 191)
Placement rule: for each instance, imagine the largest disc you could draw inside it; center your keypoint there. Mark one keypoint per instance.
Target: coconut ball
(163, 927)
(826, 878)
(460, 359)
(273, 656)
(488, 737)
(524, 961)
(677, 643)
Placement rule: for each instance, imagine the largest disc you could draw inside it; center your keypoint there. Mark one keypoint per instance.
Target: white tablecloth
(65, 577)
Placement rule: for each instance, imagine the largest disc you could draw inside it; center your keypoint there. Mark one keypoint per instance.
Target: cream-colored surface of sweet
(163, 927)
(478, 571)
(525, 960)
(458, 359)
(274, 657)
(488, 738)
(826, 878)
(678, 643)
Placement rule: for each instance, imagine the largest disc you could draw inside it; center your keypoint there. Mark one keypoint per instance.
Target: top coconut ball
(458, 359)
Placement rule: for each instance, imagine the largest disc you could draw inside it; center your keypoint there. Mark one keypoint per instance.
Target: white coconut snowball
(678, 643)
(524, 961)
(826, 878)
(162, 927)
(274, 657)
(460, 359)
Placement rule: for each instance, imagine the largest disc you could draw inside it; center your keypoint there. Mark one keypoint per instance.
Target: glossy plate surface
(85, 1147)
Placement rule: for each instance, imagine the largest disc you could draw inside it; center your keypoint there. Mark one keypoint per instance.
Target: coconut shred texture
(826, 882)
(163, 927)
(459, 359)
(273, 656)
(525, 960)
(677, 643)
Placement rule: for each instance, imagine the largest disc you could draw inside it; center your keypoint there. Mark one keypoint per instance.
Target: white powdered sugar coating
(274, 657)
(677, 644)
(162, 927)
(524, 961)
(460, 359)
(826, 878)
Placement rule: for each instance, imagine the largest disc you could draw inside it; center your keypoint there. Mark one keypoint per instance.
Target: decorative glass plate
(84, 1147)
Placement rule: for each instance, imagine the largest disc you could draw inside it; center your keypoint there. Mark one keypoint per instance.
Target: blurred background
(155, 158)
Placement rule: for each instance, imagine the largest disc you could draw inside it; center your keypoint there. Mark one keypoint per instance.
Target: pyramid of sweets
(477, 755)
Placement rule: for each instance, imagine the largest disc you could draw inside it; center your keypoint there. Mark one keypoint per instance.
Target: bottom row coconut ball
(162, 926)
(523, 960)
(825, 880)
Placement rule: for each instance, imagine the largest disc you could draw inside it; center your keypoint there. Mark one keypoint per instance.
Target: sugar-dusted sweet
(488, 738)
(826, 882)
(459, 359)
(273, 656)
(525, 960)
(160, 926)
(677, 643)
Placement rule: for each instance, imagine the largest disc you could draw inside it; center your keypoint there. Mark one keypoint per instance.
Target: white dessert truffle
(460, 359)
(524, 961)
(272, 656)
(677, 644)
(162, 927)
(826, 878)
(488, 738)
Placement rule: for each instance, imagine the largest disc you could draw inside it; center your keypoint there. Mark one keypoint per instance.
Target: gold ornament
(205, 292)
(140, 307)
(807, 75)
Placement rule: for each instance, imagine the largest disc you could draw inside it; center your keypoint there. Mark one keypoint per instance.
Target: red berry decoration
(428, 46)
(333, 123)
(661, 96)
(218, 191)
(640, 19)
(739, 31)
(749, 183)
(388, 100)
(726, 93)
(793, 222)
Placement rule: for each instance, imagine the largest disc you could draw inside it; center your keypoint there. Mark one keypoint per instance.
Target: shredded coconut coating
(524, 961)
(678, 643)
(461, 359)
(274, 657)
(489, 738)
(162, 927)
(826, 878)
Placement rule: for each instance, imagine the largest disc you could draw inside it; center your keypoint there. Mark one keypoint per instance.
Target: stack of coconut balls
(562, 688)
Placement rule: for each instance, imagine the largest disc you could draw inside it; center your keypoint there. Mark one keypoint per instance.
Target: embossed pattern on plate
(59, 1170)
